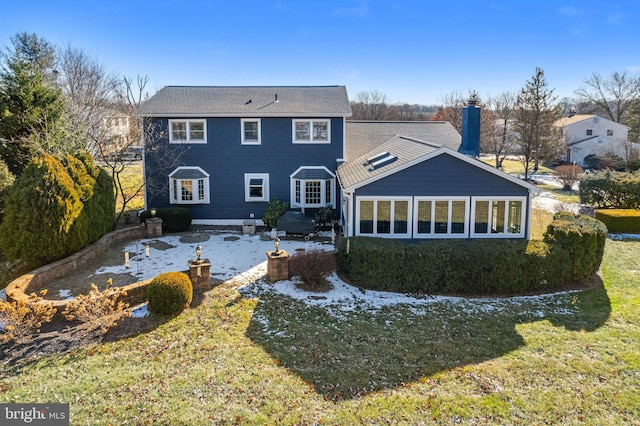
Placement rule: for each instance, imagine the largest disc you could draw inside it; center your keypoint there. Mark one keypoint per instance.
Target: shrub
(453, 266)
(313, 266)
(272, 213)
(98, 308)
(56, 207)
(620, 220)
(174, 219)
(170, 293)
(618, 190)
(325, 215)
(568, 175)
(583, 238)
(24, 319)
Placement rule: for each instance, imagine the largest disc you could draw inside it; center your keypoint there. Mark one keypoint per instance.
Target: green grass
(132, 179)
(570, 197)
(515, 167)
(267, 359)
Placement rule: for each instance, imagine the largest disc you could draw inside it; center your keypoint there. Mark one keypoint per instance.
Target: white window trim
(323, 189)
(188, 121)
(311, 140)
(489, 234)
(173, 197)
(375, 200)
(449, 234)
(247, 188)
(251, 142)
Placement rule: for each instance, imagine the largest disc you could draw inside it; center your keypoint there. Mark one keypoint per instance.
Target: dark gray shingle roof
(248, 101)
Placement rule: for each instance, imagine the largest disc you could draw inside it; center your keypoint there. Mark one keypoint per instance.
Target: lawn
(258, 357)
(569, 197)
(515, 167)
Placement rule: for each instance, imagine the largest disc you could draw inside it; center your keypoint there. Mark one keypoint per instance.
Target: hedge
(572, 251)
(620, 220)
(453, 266)
(174, 219)
(583, 237)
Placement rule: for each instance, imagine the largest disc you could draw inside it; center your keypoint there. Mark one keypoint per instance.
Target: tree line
(521, 122)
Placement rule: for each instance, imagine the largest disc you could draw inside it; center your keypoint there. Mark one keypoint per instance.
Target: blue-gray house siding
(226, 160)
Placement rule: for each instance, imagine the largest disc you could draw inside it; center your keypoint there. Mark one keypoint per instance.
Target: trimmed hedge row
(174, 219)
(476, 266)
(620, 220)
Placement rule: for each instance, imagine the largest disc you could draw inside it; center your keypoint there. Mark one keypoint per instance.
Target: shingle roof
(248, 101)
(401, 149)
(565, 121)
(363, 136)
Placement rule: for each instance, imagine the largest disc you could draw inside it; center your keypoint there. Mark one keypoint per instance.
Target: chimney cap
(472, 102)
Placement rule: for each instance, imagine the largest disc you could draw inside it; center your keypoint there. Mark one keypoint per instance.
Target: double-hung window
(189, 185)
(441, 217)
(187, 131)
(384, 216)
(313, 187)
(311, 131)
(256, 187)
(251, 131)
(498, 217)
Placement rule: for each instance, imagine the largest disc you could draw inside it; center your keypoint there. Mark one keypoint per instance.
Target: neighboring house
(406, 180)
(417, 180)
(593, 135)
(118, 141)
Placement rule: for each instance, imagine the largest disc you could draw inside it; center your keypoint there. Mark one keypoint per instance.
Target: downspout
(349, 215)
(529, 212)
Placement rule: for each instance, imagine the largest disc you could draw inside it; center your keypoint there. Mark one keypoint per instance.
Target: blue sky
(412, 51)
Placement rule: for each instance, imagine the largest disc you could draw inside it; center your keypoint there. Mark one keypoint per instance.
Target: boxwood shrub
(174, 219)
(170, 293)
(620, 220)
(453, 266)
(583, 237)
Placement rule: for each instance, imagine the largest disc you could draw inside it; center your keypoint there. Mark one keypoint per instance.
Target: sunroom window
(498, 217)
(189, 185)
(440, 217)
(383, 217)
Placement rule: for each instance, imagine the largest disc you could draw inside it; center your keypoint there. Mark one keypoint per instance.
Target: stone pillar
(277, 265)
(154, 227)
(200, 273)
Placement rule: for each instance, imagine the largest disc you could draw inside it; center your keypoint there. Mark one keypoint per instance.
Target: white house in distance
(591, 134)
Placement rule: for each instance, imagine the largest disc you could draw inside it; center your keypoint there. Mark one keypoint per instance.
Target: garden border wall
(32, 282)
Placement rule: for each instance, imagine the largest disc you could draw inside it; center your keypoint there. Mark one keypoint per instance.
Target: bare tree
(611, 97)
(369, 105)
(500, 109)
(91, 95)
(534, 118)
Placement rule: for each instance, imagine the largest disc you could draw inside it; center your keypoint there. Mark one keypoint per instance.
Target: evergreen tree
(31, 107)
(56, 207)
(534, 118)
